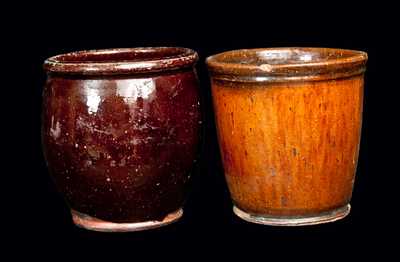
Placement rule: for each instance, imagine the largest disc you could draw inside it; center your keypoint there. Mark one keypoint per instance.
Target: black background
(40, 220)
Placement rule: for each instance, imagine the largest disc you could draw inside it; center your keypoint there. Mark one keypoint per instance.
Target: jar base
(325, 217)
(95, 224)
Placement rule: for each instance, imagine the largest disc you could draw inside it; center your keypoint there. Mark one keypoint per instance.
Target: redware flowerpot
(289, 122)
(121, 132)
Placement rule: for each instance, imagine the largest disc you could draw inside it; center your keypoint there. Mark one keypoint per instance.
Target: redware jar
(289, 126)
(121, 133)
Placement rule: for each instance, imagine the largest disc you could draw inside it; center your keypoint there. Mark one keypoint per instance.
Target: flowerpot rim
(121, 61)
(283, 64)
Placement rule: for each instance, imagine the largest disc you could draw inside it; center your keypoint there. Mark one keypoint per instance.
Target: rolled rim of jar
(121, 61)
(286, 64)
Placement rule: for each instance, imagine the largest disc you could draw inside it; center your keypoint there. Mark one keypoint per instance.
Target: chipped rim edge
(354, 64)
(185, 58)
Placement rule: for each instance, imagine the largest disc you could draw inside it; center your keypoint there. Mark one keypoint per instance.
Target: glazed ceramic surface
(121, 132)
(289, 122)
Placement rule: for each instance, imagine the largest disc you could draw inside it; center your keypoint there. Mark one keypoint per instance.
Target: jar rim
(116, 61)
(286, 64)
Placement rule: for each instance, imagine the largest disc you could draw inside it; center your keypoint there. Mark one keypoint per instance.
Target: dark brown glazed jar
(289, 126)
(120, 131)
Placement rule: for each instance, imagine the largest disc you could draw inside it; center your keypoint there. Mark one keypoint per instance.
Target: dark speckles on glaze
(119, 143)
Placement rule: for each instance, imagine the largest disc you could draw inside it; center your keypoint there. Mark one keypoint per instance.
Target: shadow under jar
(289, 123)
(120, 132)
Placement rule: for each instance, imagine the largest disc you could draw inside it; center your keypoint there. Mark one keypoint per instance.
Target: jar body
(290, 149)
(121, 148)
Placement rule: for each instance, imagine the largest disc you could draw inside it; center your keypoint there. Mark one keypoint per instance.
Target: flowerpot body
(289, 122)
(120, 134)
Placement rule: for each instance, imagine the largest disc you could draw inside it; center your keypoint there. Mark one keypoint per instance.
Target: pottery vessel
(120, 132)
(289, 123)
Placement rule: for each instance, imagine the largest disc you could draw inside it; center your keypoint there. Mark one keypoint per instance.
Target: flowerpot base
(92, 223)
(325, 217)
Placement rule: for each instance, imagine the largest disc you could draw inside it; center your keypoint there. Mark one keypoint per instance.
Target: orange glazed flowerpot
(289, 123)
